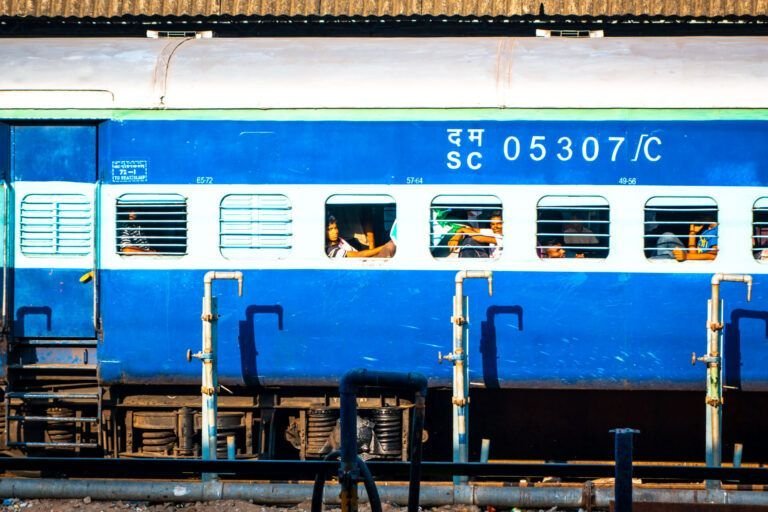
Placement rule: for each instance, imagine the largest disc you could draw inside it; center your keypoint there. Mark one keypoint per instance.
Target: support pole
(623, 460)
(210, 378)
(713, 360)
(460, 359)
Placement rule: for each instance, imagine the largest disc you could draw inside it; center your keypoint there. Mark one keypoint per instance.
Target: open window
(680, 228)
(151, 225)
(760, 229)
(360, 226)
(466, 226)
(573, 227)
(255, 226)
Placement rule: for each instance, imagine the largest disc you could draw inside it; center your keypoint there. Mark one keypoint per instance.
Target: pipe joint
(459, 320)
(207, 390)
(209, 317)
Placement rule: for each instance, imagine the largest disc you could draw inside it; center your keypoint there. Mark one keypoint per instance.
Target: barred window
(680, 228)
(255, 225)
(760, 229)
(56, 225)
(573, 227)
(360, 226)
(151, 225)
(466, 226)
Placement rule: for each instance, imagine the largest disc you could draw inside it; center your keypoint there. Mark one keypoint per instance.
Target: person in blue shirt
(702, 242)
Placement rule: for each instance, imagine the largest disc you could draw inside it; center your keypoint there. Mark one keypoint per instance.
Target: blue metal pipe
(348, 424)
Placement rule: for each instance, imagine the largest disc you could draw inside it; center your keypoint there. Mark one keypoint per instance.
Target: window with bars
(672, 223)
(151, 224)
(255, 226)
(56, 225)
(466, 226)
(760, 229)
(360, 226)
(573, 227)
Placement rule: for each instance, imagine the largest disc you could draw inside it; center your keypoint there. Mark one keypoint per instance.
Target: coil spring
(320, 425)
(2, 424)
(60, 432)
(157, 441)
(388, 428)
(229, 424)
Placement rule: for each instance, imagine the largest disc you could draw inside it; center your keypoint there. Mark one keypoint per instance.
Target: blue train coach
(603, 182)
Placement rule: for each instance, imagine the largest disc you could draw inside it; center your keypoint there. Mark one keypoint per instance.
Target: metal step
(53, 366)
(53, 445)
(53, 419)
(33, 395)
(52, 342)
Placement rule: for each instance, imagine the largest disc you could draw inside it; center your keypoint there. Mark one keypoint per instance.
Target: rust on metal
(116, 8)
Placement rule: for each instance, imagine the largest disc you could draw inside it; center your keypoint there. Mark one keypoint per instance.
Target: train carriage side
(105, 280)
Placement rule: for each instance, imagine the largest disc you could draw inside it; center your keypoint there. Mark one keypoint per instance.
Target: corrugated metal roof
(116, 8)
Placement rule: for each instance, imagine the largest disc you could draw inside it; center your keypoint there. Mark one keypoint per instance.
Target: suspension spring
(388, 428)
(320, 425)
(60, 432)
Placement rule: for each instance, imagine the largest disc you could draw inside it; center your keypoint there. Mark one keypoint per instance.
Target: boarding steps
(52, 394)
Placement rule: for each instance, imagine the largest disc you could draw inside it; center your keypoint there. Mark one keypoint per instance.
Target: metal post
(210, 377)
(485, 449)
(623, 460)
(713, 360)
(459, 358)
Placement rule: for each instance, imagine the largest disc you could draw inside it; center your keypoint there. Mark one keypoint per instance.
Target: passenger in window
(576, 235)
(132, 239)
(666, 245)
(702, 242)
(480, 242)
(554, 249)
(337, 247)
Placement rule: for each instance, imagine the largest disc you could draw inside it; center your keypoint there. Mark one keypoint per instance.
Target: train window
(360, 226)
(760, 229)
(681, 228)
(465, 226)
(572, 227)
(151, 225)
(255, 225)
(56, 225)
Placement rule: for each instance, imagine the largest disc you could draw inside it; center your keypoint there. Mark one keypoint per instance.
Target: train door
(53, 176)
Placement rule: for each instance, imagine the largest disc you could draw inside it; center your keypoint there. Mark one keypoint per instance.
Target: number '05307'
(646, 147)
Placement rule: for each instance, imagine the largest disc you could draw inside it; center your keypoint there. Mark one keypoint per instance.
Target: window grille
(760, 229)
(151, 225)
(573, 227)
(668, 222)
(56, 225)
(454, 218)
(364, 222)
(255, 225)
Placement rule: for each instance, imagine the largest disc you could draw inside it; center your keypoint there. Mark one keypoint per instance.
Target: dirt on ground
(89, 505)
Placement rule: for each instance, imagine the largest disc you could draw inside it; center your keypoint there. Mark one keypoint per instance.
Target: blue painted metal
(51, 303)
(732, 153)
(526, 335)
(54, 153)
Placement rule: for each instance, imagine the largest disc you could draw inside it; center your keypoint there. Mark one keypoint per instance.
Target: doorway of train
(52, 398)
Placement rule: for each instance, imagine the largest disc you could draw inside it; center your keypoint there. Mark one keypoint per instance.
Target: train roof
(266, 73)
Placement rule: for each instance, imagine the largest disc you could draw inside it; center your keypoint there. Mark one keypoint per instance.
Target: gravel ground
(88, 505)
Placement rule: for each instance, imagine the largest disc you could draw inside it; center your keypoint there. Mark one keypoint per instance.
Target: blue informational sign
(445, 152)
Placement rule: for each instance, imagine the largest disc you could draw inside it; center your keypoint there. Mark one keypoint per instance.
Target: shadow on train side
(732, 349)
(488, 346)
(247, 339)
(24, 312)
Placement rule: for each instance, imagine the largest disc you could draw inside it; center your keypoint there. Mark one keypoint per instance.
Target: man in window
(337, 247)
(132, 239)
(491, 240)
(702, 242)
